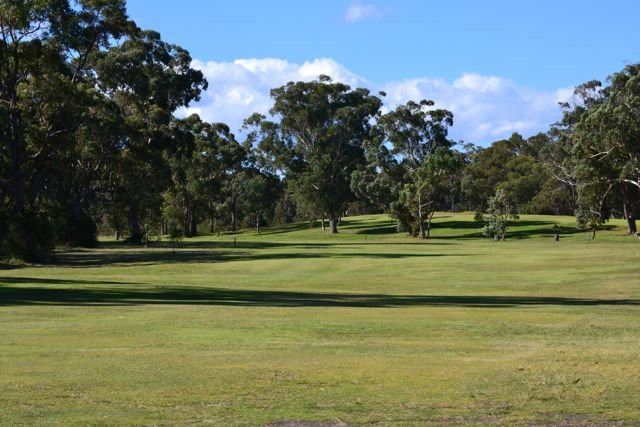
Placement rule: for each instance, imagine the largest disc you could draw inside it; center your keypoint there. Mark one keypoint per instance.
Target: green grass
(367, 326)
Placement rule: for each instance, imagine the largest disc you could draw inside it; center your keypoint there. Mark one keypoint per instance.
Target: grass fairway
(367, 326)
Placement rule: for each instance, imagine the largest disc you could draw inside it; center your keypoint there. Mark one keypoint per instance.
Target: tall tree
(48, 50)
(417, 132)
(606, 150)
(148, 79)
(325, 125)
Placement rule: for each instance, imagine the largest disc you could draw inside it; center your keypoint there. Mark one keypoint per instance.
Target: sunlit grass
(363, 327)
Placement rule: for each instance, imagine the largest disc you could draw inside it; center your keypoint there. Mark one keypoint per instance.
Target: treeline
(90, 145)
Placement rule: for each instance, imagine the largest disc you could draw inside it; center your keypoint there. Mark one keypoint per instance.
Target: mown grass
(368, 326)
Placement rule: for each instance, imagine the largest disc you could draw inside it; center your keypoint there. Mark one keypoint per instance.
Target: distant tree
(258, 199)
(148, 79)
(48, 54)
(175, 234)
(606, 153)
(500, 211)
(319, 140)
(427, 191)
(418, 136)
(377, 182)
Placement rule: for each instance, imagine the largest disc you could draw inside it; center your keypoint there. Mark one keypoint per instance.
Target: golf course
(294, 326)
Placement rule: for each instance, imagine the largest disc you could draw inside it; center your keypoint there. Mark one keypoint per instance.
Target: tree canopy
(91, 144)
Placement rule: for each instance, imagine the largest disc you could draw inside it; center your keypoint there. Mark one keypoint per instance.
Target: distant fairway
(368, 326)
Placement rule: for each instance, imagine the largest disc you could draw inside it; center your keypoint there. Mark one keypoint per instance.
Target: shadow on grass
(151, 257)
(517, 229)
(448, 229)
(12, 296)
(43, 281)
(252, 244)
(287, 228)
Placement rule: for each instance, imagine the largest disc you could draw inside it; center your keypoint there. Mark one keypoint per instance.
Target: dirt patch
(567, 420)
(335, 423)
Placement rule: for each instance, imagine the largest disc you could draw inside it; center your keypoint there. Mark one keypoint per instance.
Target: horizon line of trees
(90, 144)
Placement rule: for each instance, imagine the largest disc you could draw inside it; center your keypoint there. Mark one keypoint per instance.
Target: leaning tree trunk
(627, 206)
(631, 221)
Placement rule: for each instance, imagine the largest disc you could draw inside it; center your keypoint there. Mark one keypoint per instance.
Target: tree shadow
(45, 281)
(89, 259)
(254, 244)
(389, 227)
(286, 228)
(521, 229)
(17, 296)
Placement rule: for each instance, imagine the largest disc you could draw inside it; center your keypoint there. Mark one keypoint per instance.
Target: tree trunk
(322, 222)
(627, 206)
(429, 218)
(185, 221)
(16, 153)
(134, 223)
(212, 227)
(333, 225)
(423, 234)
(234, 219)
(633, 229)
(193, 226)
(257, 223)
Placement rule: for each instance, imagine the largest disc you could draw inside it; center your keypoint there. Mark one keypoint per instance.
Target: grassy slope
(293, 324)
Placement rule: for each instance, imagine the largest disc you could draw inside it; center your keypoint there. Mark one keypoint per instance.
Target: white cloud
(239, 88)
(362, 11)
(485, 108)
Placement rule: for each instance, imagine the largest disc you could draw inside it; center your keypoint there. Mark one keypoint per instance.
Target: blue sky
(501, 66)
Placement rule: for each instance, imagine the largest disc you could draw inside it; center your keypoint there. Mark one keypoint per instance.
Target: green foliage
(500, 211)
(319, 141)
(176, 234)
(104, 91)
(418, 135)
(88, 136)
(589, 220)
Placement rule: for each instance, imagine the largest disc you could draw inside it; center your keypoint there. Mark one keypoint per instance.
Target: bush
(501, 210)
(28, 236)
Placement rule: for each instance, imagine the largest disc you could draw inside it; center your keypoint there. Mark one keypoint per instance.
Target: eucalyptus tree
(501, 210)
(148, 79)
(606, 150)
(417, 132)
(318, 140)
(48, 50)
(378, 180)
(217, 158)
(428, 189)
